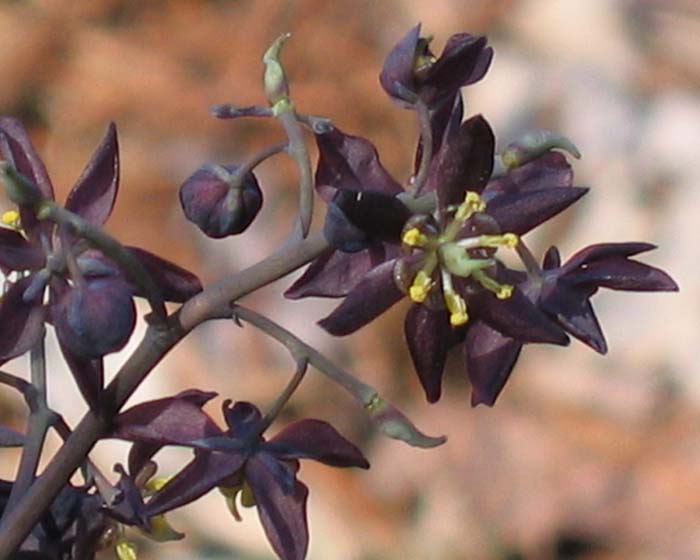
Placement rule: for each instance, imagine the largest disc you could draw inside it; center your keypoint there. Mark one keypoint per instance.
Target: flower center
(447, 256)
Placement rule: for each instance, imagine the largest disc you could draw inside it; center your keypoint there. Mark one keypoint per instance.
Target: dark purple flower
(238, 460)
(90, 299)
(563, 292)
(448, 265)
(70, 528)
(219, 202)
(411, 70)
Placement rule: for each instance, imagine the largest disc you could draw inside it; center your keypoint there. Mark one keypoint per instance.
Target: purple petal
(490, 358)
(572, 310)
(464, 60)
(335, 274)
(521, 212)
(139, 455)
(376, 293)
(365, 216)
(398, 66)
(175, 283)
(429, 337)
(348, 162)
(203, 473)
(601, 251)
(318, 440)
(176, 420)
(464, 162)
(622, 274)
(551, 259)
(516, 317)
(21, 322)
(241, 418)
(444, 122)
(282, 511)
(547, 171)
(94, 194)
(17, 148)
(16, 253)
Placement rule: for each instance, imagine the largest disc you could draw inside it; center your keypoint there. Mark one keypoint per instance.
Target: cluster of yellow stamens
(450, 255)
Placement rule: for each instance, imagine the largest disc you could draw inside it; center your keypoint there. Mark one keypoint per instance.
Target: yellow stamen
(125, 549)
(247, 497)
(11, 219)
(509, 240)
(504, 291)
(230, 493)
(501, 291)
(156, 484)
(472, 203)
(414, 238)
(457, 308)
(421, 286)
(161, 531)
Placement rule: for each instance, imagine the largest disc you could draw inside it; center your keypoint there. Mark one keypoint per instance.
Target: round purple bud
(220, 202)
(95, 319)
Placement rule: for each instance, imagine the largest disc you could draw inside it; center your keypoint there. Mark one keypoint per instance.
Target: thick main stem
(157, 342)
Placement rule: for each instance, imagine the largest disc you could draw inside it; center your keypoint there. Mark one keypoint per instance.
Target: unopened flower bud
(95, 319)
(275, 81)
(533, 144)
(219, 202)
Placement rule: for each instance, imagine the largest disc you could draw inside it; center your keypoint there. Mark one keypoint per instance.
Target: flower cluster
(238, 460)
(55, 276)
(439, 241)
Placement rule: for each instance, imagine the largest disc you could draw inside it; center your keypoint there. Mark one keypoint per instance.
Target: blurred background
(583, 456)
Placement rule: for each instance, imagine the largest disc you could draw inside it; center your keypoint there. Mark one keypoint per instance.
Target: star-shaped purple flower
(238, 460)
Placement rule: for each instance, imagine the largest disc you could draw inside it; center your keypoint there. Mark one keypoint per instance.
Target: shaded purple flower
(238, 460)
(219, 202)
(565, 289)
(89, 300)
(411, 70)
(448, 264)
(563, 292)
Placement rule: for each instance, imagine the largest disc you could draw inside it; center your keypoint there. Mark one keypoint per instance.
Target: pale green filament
(502, 291)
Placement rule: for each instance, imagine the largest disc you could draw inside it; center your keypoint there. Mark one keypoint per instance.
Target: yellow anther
(457, 308)
(125, 549)
(472, 203)
(421, 286)
(504, 291)
(414, 238)
(11, 219)
(511, 240)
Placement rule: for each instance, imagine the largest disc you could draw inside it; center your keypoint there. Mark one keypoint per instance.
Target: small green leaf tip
(394, 424)
(274, 79)
(534, 144)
